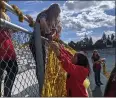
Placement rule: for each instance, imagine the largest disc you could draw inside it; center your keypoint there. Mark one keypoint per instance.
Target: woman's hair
(94, 53)
(82, 60)
(113, 73)
(59, 28)
(53, 13)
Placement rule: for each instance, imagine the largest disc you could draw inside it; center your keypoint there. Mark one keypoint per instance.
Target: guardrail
(38, 44)
(9, 8)
(16, 27)
(13, 26)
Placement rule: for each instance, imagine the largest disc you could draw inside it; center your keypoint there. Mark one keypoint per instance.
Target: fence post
(39, 57)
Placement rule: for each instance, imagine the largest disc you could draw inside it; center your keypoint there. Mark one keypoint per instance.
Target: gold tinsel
(2, 6)
(18, 12)
(21, 17)
(55, 77)
(107, 74)
(31, 21)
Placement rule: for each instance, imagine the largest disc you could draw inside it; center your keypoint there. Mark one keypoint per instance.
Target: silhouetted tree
(109, 41)
(86, 39)
(90, 41)
(87, 43)
(78, 45)
(114, 43)
(99, 44)
(108, 37)
(104, 38)
(112, 37)
(72, 44)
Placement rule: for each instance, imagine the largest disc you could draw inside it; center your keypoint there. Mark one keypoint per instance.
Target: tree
(108, 41)
(104, 37)
(86, 39)
(72, 44)
(90, 41)
(114, 43)
(99, 44)
(108, 37)
(112, 37)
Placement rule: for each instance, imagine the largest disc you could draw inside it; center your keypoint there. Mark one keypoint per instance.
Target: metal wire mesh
(22, 70)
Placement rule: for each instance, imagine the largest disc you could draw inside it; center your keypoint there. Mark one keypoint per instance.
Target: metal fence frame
(37, 40)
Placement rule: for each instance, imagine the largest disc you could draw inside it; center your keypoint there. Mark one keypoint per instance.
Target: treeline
(87, 43)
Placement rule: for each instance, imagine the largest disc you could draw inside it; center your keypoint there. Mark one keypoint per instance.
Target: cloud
(85, 5)
(82, 34)
(79, 15)
(104, 5)
(32, 2)
(80, 37)
(71, 39)
(82, 16)
(109, 32)
(34, 15)
(95, 38)
(78, 5)
(24, 10)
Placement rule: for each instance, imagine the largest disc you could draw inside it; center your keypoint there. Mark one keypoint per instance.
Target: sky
(78, 17)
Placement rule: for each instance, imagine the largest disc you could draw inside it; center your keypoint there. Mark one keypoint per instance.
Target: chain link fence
(17, 77)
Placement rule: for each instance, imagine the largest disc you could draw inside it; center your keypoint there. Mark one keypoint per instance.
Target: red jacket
(96, 66)
(7, 51)
(78, 74)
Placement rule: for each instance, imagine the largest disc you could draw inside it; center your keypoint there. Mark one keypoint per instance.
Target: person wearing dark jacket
(110, 90)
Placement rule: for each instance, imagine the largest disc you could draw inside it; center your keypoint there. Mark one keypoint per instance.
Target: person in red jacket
(7, 57)
(78, 69)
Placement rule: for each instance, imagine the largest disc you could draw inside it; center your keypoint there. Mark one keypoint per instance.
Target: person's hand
(55, 46)
(54, 36)
(102, 59)
(54, 30)
(50, 37)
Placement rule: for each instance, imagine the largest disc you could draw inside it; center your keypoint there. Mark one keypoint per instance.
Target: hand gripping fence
(20, 76)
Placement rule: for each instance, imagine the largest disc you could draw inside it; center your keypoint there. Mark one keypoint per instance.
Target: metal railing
(30, 76)
(9, 8)
(13, 26)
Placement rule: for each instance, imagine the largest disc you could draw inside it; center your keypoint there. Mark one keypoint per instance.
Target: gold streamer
(18, 12)
(107, 74)
(31, 21)
(55, 77)
(2, 6)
